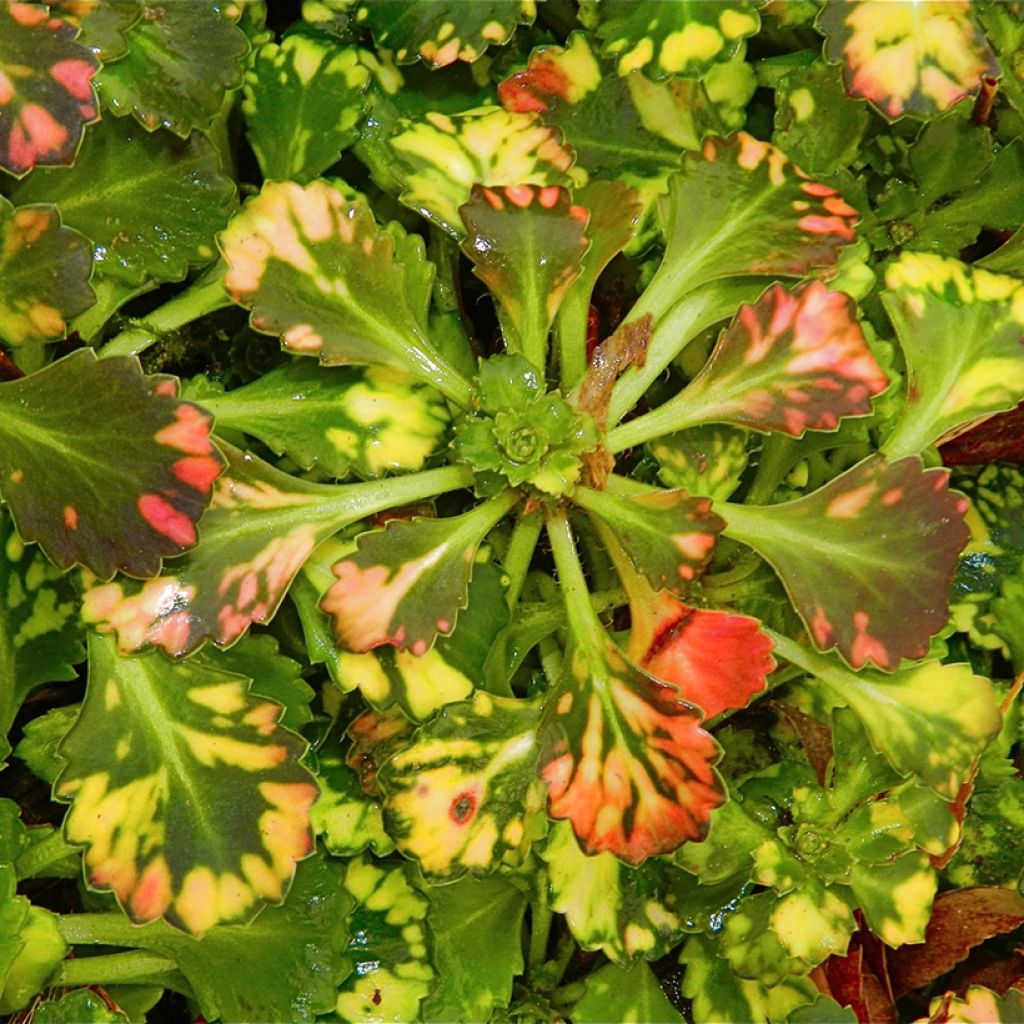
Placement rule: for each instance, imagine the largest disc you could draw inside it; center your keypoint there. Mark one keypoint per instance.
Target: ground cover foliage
(511, 512)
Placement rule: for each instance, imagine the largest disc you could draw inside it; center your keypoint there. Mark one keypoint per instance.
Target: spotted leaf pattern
(440, 158)
(363, 420)
(702, 460)
(978, 1005)
(440, 32)
(907, 58)
(625, 912)
(961, 329)
(390, 946)
(625, 759)
(882, 535)
(261, 528)
(348, 820)
(46, 90)
(526, 243)
(406, 584)
(667, 535)
(44, 270)
(683, 38)
(464, 795)
(316, 270)
(186, 746)
(115, 474)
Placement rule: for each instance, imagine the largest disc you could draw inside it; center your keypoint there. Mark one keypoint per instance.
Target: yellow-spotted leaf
(440, 32)
(44, 274)
(961, 329)
(464, 794)
(632, 996)
(796, 360)
(40, 632)
(440, 158)
(187, 794)
(667, 535)
(979, 1005)
(896, 898)
(304, 99)
(46, 91)
(626, 912)
(390, 946)
(407, 583)
(526, 243)
(183, 58)
(103, 466)
(907, 58)
(625, 759)
(262, 527)
(880, 536)
(316, 270)
(367, 421)
(683, 38)
(706, 460)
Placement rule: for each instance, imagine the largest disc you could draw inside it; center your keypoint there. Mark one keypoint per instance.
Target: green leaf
(46, 91)
(40, 739)
(407, 583)
(368, 421)
(882, 535)
(477, 927)
(102, 24)
(526, 243)
(183, 747)
(706, 460)
(149, 203)
(45, 270)
(464, 794)
(282, 967)
(684, 38)
(439, 158)
(390, 946)
(916, 59)
(896, 899)
(667, 535)
(304, 100)
(316, 270)
(41, 637)
(103, 466)
(960, 329)
(82, 1006)
(623, 911)
(31, 946)
(262, 527)
(440, 32)
(633, 995)
(182, 59)
(950, 154)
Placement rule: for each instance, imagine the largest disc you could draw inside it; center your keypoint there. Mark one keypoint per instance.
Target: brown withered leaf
(375, 735)
(626, 347)
(815, 737)
(1000, 438)
(853, 981)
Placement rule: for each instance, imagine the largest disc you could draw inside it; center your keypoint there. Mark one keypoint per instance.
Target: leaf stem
(39, 856)
(583, 620)
(136, 967)
(205, 295)
(540, 928)
(113, 929)
(776, 462)
(571, 337)
(520, 553)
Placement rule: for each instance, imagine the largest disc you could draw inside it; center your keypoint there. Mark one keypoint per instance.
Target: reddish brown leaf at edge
(1000, 438)
(814, 736)
(855, 983)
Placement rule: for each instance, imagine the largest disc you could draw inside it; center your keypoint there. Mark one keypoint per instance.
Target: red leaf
(998, 439)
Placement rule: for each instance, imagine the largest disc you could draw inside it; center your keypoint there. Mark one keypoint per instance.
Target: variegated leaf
(316, 270)
(46, 90)
(440, 32)
(707, 460)
(667, 535)
(441, 157)
(149, 203)
(632, 996)
(961, 329)
(625, 759)
(526, 243)
(896, 898)
(376, 735)
(683, 38)
(345, 420)
(795, 360)
(262, 527)
(304, 99)
(44, 270)
(979, 1005)
(625, 912)
(183, 747)
(907, 58)
(390, 945)
(40, 632)
(464, 794)
(344, 816)
(407, 583)
(103, 466)
(182, 59)
(845, 577)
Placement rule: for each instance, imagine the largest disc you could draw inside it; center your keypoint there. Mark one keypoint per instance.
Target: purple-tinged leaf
(46, 90)
(102, 466)
(868, 559)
